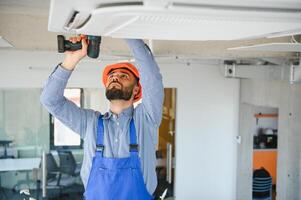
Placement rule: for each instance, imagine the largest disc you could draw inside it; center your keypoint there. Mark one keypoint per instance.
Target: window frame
(51, 128)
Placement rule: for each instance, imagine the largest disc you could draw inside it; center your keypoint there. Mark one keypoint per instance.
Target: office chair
(262, 188)
(53, 177)
(70, 171)
(53, 171)
(68, 164)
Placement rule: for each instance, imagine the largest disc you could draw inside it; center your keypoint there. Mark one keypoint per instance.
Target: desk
(19, 164)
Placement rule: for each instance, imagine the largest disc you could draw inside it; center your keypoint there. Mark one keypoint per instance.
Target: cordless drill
(93, 45)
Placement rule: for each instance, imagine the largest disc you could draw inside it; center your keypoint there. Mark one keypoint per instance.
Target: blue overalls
(116, 178)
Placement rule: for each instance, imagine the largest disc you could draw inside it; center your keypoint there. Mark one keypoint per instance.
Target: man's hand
(73, 57)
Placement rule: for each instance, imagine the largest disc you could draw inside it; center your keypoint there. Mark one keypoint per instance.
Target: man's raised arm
(151, 79)
(53, 99)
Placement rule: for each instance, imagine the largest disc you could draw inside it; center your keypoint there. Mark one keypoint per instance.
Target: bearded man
(119, 146)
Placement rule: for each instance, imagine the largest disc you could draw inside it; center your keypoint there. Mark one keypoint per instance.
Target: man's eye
(123, 76)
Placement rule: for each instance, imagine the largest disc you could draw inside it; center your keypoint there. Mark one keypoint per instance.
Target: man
(119, 146)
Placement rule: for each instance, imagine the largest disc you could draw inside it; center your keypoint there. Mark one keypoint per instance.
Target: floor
(74, 192)
(8, 194)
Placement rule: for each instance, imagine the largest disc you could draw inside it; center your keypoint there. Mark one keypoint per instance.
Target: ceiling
(24, 25)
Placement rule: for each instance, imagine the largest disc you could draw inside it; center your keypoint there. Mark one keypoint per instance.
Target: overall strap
(100, 136)
(133, 137)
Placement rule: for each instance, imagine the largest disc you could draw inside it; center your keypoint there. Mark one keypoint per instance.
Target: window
(61, 135)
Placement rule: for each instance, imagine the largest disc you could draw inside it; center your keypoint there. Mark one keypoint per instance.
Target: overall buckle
(134, 147)
(100, 147)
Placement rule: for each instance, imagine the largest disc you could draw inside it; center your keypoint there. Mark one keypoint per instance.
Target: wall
(1, 115)
(206, 118)
(23, 119)
(285, 97)
(206, 125)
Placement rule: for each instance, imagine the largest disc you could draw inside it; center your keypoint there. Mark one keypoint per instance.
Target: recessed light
(4, 43)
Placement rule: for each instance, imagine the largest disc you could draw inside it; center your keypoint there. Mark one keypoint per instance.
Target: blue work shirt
(147, 116)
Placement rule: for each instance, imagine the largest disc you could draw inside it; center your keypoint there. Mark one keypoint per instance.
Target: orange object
(128, 66)
(266, 159)
(273, 115)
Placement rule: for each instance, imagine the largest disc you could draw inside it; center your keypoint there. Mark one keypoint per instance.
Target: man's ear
(136, 90)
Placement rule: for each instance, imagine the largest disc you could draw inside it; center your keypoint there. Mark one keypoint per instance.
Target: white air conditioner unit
(176, 20)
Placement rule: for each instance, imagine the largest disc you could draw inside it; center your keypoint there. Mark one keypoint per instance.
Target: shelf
(271, 115)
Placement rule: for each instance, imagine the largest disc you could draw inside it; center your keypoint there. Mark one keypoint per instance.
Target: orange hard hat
(124, 65)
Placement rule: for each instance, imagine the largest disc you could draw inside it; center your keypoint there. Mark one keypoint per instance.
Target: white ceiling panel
(176, 20)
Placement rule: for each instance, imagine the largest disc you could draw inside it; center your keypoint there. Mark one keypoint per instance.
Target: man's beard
(119, 94)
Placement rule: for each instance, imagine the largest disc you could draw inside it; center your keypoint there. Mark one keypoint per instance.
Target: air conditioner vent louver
(77, 20)
(178, 20)
(118, 4)
(166, 19)
(72, 17)
(236, 8)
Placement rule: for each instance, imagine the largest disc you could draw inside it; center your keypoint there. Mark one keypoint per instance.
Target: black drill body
(93, 45)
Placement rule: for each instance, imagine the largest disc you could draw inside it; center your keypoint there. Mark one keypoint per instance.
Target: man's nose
(114, 78)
